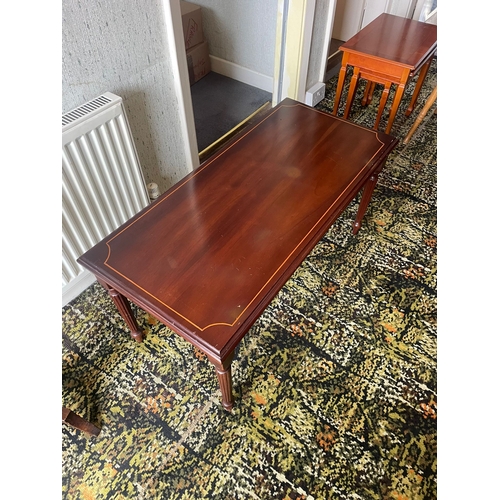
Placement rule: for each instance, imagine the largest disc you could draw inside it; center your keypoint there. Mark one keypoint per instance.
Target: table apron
(381, 68)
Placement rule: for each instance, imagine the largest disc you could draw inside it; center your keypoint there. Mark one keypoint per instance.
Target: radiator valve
(153, 191)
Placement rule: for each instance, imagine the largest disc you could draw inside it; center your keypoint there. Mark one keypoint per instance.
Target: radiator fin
(84, 110)
(102, 182)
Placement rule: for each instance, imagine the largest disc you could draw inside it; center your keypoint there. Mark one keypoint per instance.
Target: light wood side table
(389, 50)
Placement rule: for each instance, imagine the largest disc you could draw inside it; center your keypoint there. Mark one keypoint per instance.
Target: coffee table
(208, 256)
(389, 50)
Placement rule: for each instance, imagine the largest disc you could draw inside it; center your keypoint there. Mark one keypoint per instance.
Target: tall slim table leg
(352, 91)
(383, 102)
(365, 200)
(368, 95)
(340, 87)
(123, 306)
(418, 86)
(395, 104)
(223, 370)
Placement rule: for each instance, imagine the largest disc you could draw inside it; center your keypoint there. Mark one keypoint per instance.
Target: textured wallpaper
(121, 47)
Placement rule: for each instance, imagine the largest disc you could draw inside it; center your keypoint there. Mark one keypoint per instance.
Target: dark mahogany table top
(396, 39)
(209, 255)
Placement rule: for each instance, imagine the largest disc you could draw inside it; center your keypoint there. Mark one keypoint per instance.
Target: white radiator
(102, 183)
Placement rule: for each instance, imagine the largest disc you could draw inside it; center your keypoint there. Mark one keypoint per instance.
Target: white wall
(322, 27)
(347, 21)
(242, 32)
(122, 47)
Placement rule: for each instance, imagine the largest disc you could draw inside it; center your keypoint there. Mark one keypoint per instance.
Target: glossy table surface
(211, 253)
(396, 39)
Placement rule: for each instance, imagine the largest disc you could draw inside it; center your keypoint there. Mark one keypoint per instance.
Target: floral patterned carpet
(335, 384)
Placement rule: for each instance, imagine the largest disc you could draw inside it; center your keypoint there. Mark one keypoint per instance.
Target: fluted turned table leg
(123, 306)
(365, 200)
(226, 387)
(223, 370)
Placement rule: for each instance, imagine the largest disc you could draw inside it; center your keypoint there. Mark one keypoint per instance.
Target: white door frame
(294, 29)
(293, 44)
(326, 42)
(177, 53)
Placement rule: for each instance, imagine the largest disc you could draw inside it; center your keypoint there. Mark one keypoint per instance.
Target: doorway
(237, 77)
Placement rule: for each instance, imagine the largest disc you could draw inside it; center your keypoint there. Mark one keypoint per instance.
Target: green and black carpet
(335, 384)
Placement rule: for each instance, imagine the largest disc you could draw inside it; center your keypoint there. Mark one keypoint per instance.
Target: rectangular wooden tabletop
(397, 39)
(209, 255)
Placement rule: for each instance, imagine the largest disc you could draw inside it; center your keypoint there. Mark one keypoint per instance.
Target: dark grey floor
(220, 103)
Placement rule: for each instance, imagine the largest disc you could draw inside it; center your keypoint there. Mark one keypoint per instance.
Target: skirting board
(241, 74)
(76, 286)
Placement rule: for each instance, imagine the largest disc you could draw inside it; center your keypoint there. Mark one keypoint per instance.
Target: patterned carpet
(336, 382)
